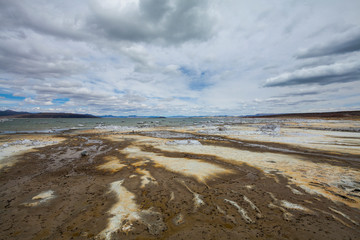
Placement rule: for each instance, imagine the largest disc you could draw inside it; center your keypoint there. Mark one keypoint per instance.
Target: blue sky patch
(197, 81)
(60, 101)
(11, 97)
(186, 99)
(119, 91)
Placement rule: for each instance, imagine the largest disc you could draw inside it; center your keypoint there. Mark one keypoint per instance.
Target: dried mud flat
(228, 182)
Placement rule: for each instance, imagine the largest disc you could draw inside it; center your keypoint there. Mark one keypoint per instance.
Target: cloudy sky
(179, 57)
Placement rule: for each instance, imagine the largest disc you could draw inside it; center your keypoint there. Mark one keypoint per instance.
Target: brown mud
(130, 186)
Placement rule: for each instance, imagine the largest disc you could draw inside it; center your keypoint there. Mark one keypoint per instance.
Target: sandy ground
(294, 180)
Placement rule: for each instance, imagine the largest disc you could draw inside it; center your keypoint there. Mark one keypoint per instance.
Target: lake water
(63, 124)
(53, 125)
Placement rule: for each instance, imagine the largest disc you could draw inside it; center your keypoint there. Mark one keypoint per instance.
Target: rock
(178, 219)
(252, 176)
(84, 153)
(5, 145)
(222, 129)
(270, 129)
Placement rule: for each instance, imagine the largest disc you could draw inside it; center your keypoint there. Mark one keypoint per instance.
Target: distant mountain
(183, 116)
(56, 115)
(13, 114)
(111, 116)
(130, 116)
(261, 115)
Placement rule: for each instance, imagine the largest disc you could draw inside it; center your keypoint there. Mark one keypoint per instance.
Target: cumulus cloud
(33, 55)
(41, 18)
(322, 75)
(162, 21)
(37, 102)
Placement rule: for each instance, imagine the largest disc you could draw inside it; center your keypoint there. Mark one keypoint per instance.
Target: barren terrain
(288, 180)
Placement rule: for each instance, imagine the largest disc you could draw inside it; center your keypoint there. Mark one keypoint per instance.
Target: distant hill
(130, 116)
(13, 114)
(342, 114)
(112, 116)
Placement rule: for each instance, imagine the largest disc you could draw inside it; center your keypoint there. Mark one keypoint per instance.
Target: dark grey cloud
(301, 94)
(314, 91)
(33, 62)
(278, 101)
(80, 92)
(26, 49)
(321, 75)
(30, 33)
(17, 14)
(303, 101)
(349, 43)
(162, 21)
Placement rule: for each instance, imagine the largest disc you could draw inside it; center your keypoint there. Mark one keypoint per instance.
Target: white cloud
(178, 57)
(37, 102)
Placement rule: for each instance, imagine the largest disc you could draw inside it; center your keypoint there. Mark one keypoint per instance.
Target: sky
(179, 57)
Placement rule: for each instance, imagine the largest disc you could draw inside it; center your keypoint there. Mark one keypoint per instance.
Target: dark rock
(252, 176)
(84, 153)
(222, 129)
